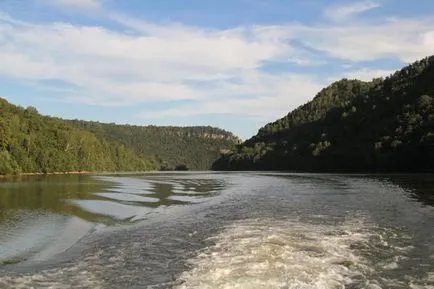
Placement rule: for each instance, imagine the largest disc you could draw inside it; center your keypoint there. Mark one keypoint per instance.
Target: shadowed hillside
(382, 125)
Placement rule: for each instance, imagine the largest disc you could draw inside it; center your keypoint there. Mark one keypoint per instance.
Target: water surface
(217, 230)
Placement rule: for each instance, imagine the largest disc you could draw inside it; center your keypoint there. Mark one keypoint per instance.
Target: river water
(217, 230)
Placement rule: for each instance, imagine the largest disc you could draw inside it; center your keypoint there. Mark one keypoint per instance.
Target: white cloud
(114, 68)
(344, 12)
(406, 40)
(75, 4)
(268, 97)
(219, 71)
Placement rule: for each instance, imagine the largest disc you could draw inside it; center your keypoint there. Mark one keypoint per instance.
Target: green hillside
(382, 125)
(193, 147)
(32, 143)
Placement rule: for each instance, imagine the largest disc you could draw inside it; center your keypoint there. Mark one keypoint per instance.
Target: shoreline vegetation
(17, 175)
(45, 174)
(75, 173)
(379, 173)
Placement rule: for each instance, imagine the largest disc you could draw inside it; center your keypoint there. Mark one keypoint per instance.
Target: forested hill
(32, 143)
(382, 125)
(195, 148)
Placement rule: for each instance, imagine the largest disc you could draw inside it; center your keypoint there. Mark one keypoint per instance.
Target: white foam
(280, 254)
(424, 283)
(53, 279)
(254, 254)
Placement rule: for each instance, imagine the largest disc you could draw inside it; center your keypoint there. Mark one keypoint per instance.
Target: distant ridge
(196, 147)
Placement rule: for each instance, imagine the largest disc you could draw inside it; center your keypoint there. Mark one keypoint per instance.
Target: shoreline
(47, 174)
(74, 173)
(379, 173)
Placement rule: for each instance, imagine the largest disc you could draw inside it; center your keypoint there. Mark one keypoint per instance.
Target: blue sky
(235, 64)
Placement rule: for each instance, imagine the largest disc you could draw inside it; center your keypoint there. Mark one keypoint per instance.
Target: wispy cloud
(216, 70)
(346, 11)
(75, 4)
(265, 97)
(157, 64)
(405, 40)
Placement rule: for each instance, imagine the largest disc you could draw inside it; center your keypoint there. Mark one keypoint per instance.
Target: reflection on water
(45, 194)
(419, 186)
(100, 198)
(43, 215)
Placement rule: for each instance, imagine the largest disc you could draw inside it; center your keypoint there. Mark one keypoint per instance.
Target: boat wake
(290, 254)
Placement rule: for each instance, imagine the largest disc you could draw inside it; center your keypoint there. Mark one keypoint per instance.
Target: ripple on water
(250, 254)
(39, 236)
(305, 252)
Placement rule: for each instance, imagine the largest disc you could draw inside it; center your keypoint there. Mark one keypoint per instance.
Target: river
(217, 230)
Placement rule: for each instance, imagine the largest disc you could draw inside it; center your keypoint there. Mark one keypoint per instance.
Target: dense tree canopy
(385, 124)
(32, 143)
(193, 148)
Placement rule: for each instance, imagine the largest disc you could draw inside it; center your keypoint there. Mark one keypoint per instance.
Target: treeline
(181, 148)
(32, 143)
(382, 125)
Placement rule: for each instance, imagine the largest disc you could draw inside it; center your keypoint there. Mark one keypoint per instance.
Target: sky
(234, 64)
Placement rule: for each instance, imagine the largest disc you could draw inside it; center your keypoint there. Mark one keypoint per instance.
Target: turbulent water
(217, 230)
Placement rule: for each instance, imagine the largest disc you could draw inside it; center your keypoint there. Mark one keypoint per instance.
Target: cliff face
(216, 136)
(191, 133)
(382, 125)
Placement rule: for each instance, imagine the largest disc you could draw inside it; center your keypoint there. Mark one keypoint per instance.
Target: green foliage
(32, 143)
(7, 164)
(196, 148)
(338, 94)
(386, 124)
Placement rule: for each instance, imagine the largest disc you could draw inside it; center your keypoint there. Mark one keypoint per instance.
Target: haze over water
(217, 230)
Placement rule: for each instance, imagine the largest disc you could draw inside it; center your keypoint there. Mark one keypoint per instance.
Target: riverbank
(78, 173)
(48, 174)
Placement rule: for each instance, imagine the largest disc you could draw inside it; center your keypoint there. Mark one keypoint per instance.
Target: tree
(385, 125)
